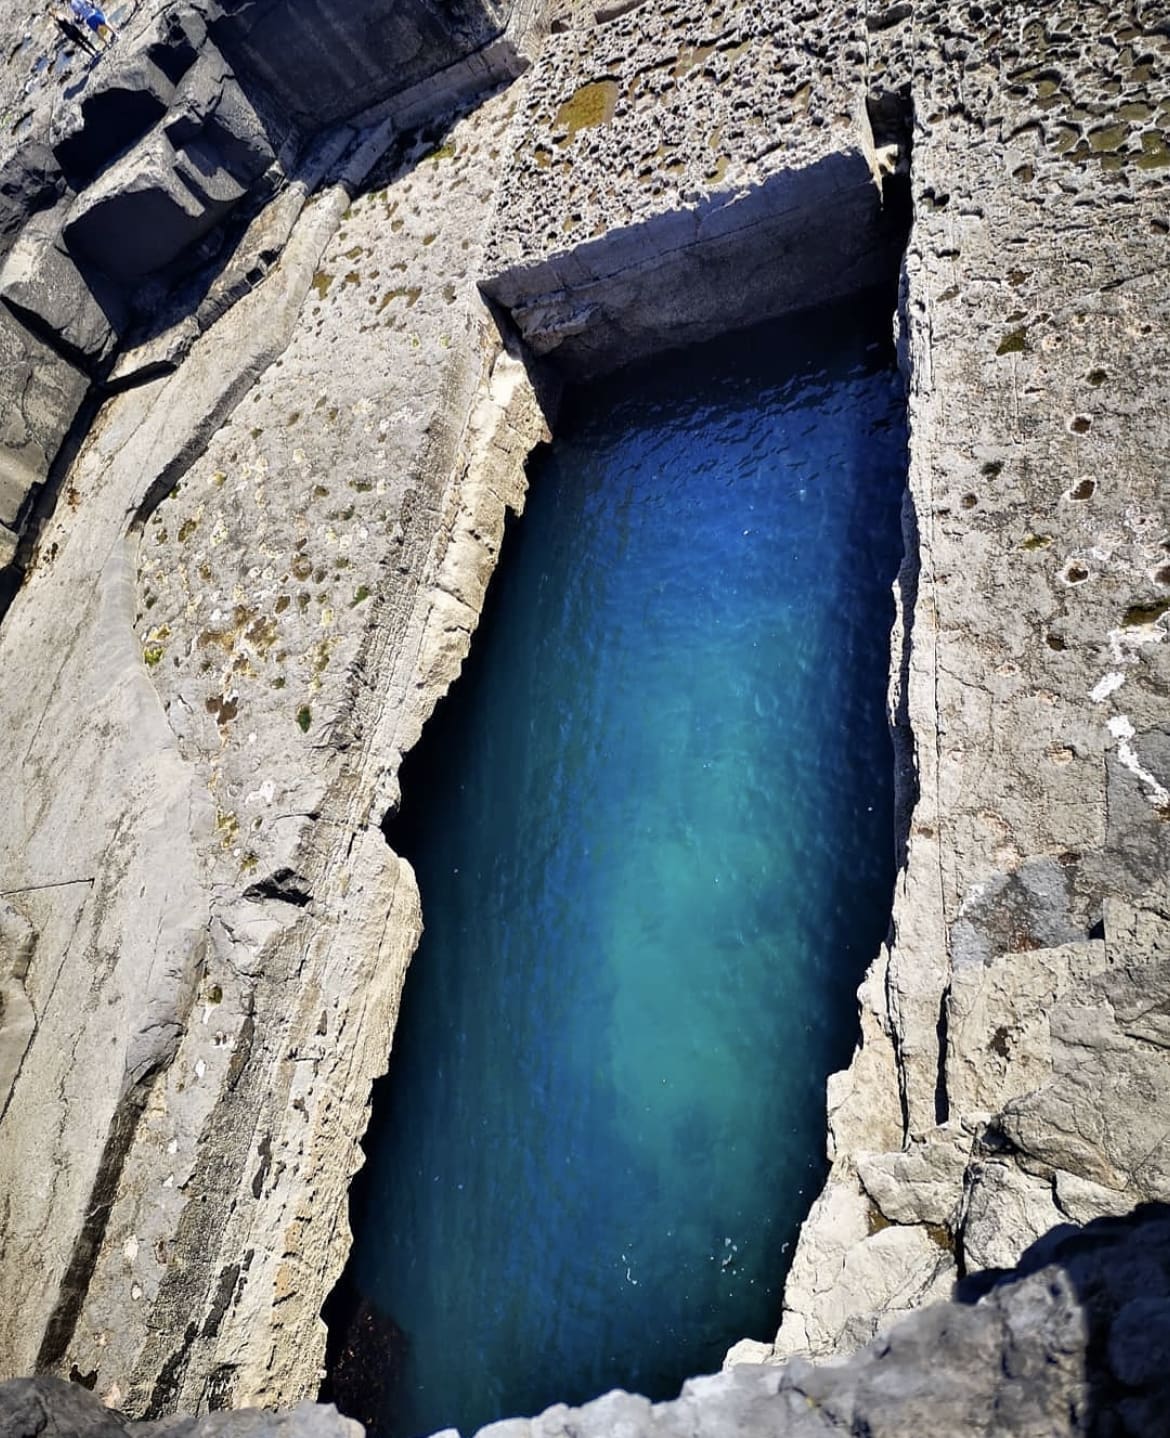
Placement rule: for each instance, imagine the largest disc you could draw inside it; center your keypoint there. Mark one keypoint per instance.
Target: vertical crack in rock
(75, 1285)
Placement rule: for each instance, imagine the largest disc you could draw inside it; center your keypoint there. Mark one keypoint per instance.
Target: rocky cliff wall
(1013, 1023)
(269, 549)
(205, 932)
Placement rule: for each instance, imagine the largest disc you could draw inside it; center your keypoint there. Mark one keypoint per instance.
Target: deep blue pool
(653, 831)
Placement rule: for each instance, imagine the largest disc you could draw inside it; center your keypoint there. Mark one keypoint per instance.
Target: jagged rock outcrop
(50, 1408)
(996, 1090)
(137, 175)
(1075, 1342)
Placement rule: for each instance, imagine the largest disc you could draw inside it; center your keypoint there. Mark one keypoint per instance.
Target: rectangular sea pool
(653, 829)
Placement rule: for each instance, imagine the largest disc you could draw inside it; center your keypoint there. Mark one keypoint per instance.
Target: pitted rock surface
(666, 154)
(1032, 909)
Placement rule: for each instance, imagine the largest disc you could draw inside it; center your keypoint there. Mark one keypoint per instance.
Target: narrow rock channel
(653, 832)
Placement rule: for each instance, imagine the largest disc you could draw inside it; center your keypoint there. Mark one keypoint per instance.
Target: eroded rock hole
(653, 830)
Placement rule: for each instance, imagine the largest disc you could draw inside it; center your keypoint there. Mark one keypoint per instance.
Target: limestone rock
(42, 285)
(998, 1021)
(178, 183)
(1097, 1117)
(117, 107)
(211, 109)
(1029, 669)
(306, 1420)
(143, 214)
(325, 60)
(862, 1100)
(50, 1408)
(30, 181)
(920, 1184)
(861, 1265)
(1006, 1211)
(40, 393)
(598, 263)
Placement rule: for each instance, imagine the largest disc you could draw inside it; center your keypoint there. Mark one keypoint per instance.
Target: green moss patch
(592, 105)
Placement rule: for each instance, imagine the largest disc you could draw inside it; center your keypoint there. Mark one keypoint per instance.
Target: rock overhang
(675, 176)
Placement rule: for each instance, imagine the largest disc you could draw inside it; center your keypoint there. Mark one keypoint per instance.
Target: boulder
(41, 284)
(51, 1408)
(30, 180)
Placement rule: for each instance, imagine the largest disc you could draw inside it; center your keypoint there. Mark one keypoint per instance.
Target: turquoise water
(653, 832)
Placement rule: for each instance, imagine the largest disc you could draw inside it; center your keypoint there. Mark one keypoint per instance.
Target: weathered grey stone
(998, 1021)
(1033, 672)
(863, 1275)
(42, 285)
(211, 108)
(40, 394)
(1006, 1211)
(1098, 1115)
(117, 107)
(324, 60)
(30, 180)
(151, 206)
(638, 202)
(306, 1420)
(420, 425)
(51, 1408)
(922, 1183)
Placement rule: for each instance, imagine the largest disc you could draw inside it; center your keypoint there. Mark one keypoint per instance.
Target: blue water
(653, 832)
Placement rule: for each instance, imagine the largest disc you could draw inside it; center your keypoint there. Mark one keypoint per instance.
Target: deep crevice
(942, 1103)
(285, 886)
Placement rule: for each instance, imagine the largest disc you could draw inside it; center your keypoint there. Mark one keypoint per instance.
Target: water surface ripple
(653, 833)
